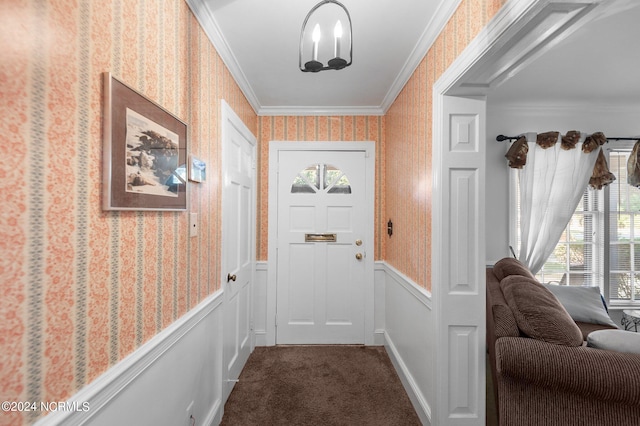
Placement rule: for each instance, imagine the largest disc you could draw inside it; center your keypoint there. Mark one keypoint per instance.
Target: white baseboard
(155, 384)
(261, 338)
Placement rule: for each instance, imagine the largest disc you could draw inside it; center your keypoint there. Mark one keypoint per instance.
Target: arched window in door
(321, 178)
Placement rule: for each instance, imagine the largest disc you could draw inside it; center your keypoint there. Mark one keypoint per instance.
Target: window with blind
(601, 244)
(575, 260)
(623, 214)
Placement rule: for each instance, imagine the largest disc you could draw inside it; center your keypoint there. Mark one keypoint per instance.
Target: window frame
(634, 301)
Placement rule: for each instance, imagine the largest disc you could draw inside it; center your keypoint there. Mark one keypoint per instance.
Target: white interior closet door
(238, 242)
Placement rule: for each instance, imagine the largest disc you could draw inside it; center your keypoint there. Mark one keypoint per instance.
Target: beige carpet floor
(319, 385)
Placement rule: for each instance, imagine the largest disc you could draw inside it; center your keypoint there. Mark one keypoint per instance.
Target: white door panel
(238, 243)
(459, 293)
(320, 285)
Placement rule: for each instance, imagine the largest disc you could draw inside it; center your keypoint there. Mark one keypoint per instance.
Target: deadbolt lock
(231, 277)
(358, 242)
(359, 256)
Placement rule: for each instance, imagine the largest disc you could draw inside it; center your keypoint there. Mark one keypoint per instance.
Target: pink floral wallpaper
(408, 144)
(83, 288)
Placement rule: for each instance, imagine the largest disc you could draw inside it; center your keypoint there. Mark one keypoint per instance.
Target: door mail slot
(320, 238)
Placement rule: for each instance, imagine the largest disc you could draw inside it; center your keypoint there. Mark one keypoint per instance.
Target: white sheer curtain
(551, 185)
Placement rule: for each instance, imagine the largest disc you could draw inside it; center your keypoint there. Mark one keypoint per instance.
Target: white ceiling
(259, 41)
(599, 64)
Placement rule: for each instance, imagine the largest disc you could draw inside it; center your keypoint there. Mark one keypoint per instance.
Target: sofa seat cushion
(538, 312)
(510, 266)
(615, 340)
(584, 304)
(587, 328)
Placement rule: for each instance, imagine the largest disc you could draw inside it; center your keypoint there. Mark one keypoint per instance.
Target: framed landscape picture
(144, 152)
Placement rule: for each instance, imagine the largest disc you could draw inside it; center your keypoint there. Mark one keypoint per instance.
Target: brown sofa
(546, 374)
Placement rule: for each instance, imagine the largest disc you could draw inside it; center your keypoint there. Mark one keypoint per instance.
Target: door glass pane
(307, 181)
(336, 181)
(333, 180)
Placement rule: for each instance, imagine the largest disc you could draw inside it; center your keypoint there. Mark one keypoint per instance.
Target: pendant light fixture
(333, 19)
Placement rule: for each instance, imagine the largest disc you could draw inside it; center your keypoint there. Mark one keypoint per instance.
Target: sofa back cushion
(510, 266)
(584, 304)
(501, 318)
(538, 312)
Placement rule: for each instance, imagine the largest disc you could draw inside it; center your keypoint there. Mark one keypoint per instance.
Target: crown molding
(211, 28)
(432, 31)
(320, 111)
(545, 108)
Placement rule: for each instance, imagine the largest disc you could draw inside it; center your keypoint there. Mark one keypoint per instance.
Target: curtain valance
(601, 176)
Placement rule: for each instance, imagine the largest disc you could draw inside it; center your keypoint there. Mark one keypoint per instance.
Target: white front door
(238, 242)
(321, 247)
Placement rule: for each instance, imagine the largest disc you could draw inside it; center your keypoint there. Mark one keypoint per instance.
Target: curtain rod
(501, 138)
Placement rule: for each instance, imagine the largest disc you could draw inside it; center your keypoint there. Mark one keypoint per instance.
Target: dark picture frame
(144, 152)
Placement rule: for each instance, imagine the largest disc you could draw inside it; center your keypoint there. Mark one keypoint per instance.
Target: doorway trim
(520, 32)
(368, 147)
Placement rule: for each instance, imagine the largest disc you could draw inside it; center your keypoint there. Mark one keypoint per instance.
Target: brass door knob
(231, 277)
(359, 256)
(358, 242)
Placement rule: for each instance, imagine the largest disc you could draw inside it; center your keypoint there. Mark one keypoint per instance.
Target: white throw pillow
(584, 304)
(615, 340)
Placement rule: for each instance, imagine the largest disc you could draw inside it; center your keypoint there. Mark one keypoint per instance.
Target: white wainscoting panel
(379, 280)
(410, 339)
(260, 304)
(155, 385)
